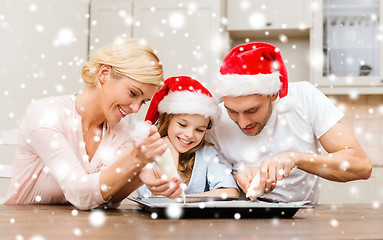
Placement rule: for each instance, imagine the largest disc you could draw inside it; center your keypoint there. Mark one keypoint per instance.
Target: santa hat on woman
(182, 95)
(253, 68)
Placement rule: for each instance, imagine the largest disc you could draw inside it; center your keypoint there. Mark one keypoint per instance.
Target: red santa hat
(182, 95)
(253, 68)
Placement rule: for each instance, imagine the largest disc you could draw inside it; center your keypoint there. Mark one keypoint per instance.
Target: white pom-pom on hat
(284, 105)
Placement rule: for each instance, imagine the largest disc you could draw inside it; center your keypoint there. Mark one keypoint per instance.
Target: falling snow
(174, 211)
(74, 212)
(334, 222)
(65, 36)
(37, 237)
(97, 218)
(77, 232)
(140, 131)
(53, 66)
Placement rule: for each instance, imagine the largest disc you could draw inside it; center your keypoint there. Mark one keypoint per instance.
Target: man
(264, 127)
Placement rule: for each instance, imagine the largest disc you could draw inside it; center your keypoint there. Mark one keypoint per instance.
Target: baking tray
(215, 207)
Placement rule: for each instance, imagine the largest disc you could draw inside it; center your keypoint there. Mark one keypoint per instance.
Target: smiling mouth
(183, 141)
(123, 113)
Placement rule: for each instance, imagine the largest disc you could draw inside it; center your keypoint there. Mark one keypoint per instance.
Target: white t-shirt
(294, 131)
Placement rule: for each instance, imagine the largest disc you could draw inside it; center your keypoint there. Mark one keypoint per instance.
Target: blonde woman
(75, 149)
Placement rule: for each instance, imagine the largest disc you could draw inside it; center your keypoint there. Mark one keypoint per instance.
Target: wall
(295, 53)
(364, 117)
(43, 45)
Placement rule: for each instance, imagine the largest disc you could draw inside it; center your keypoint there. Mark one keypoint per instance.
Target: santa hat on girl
(182, 95)
(253, 68)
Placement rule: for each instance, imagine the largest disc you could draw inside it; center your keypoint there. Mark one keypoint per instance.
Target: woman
(185, 110)
(76, 149)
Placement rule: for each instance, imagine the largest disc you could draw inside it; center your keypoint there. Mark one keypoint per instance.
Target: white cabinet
(110, 21)
(8, 142)
(268, 14)
(185, 34)
(347, 51)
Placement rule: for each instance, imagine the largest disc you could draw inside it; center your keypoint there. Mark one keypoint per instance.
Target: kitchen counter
(337, 221)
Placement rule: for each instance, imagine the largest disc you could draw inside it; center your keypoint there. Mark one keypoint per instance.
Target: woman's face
(123, 96)
(186, 131)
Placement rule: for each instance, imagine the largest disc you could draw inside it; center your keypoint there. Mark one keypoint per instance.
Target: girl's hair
(186, 160)
(131, 58)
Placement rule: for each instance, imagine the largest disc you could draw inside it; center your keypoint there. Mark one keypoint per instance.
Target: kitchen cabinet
(110, 21)
(346, 46)
(186, 35)
(271, 21)
(7, 156)
(268, 14)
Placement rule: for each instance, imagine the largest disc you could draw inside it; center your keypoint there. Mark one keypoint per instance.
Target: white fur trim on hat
(186, 102)
(242, 85)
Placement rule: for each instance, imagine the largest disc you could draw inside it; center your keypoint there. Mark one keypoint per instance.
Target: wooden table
(38, 222)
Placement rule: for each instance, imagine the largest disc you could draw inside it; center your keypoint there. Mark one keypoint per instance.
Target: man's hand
(276, 168)
(152, 177)
(244, 177)
(272, 170)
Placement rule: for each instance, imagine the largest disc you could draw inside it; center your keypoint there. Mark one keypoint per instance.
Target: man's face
(250, 113)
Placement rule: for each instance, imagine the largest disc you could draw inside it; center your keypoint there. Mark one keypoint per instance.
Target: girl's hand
(150, 147)
(151, 177)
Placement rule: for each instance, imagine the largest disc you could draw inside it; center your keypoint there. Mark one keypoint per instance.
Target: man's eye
(252, 111)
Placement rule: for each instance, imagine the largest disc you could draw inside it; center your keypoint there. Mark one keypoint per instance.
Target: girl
(75, 149)
(185, 110)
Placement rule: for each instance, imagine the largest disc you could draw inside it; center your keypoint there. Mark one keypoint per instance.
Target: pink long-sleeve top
(51, 165)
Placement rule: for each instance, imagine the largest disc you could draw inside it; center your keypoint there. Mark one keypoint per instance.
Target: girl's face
(123, 96)
(186, 131)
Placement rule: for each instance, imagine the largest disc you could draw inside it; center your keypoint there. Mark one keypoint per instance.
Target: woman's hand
(151, 177)
(173, 150)
(150, 147)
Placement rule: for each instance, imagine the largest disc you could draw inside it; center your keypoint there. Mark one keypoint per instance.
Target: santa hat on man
(253, 68)
(182, 95)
